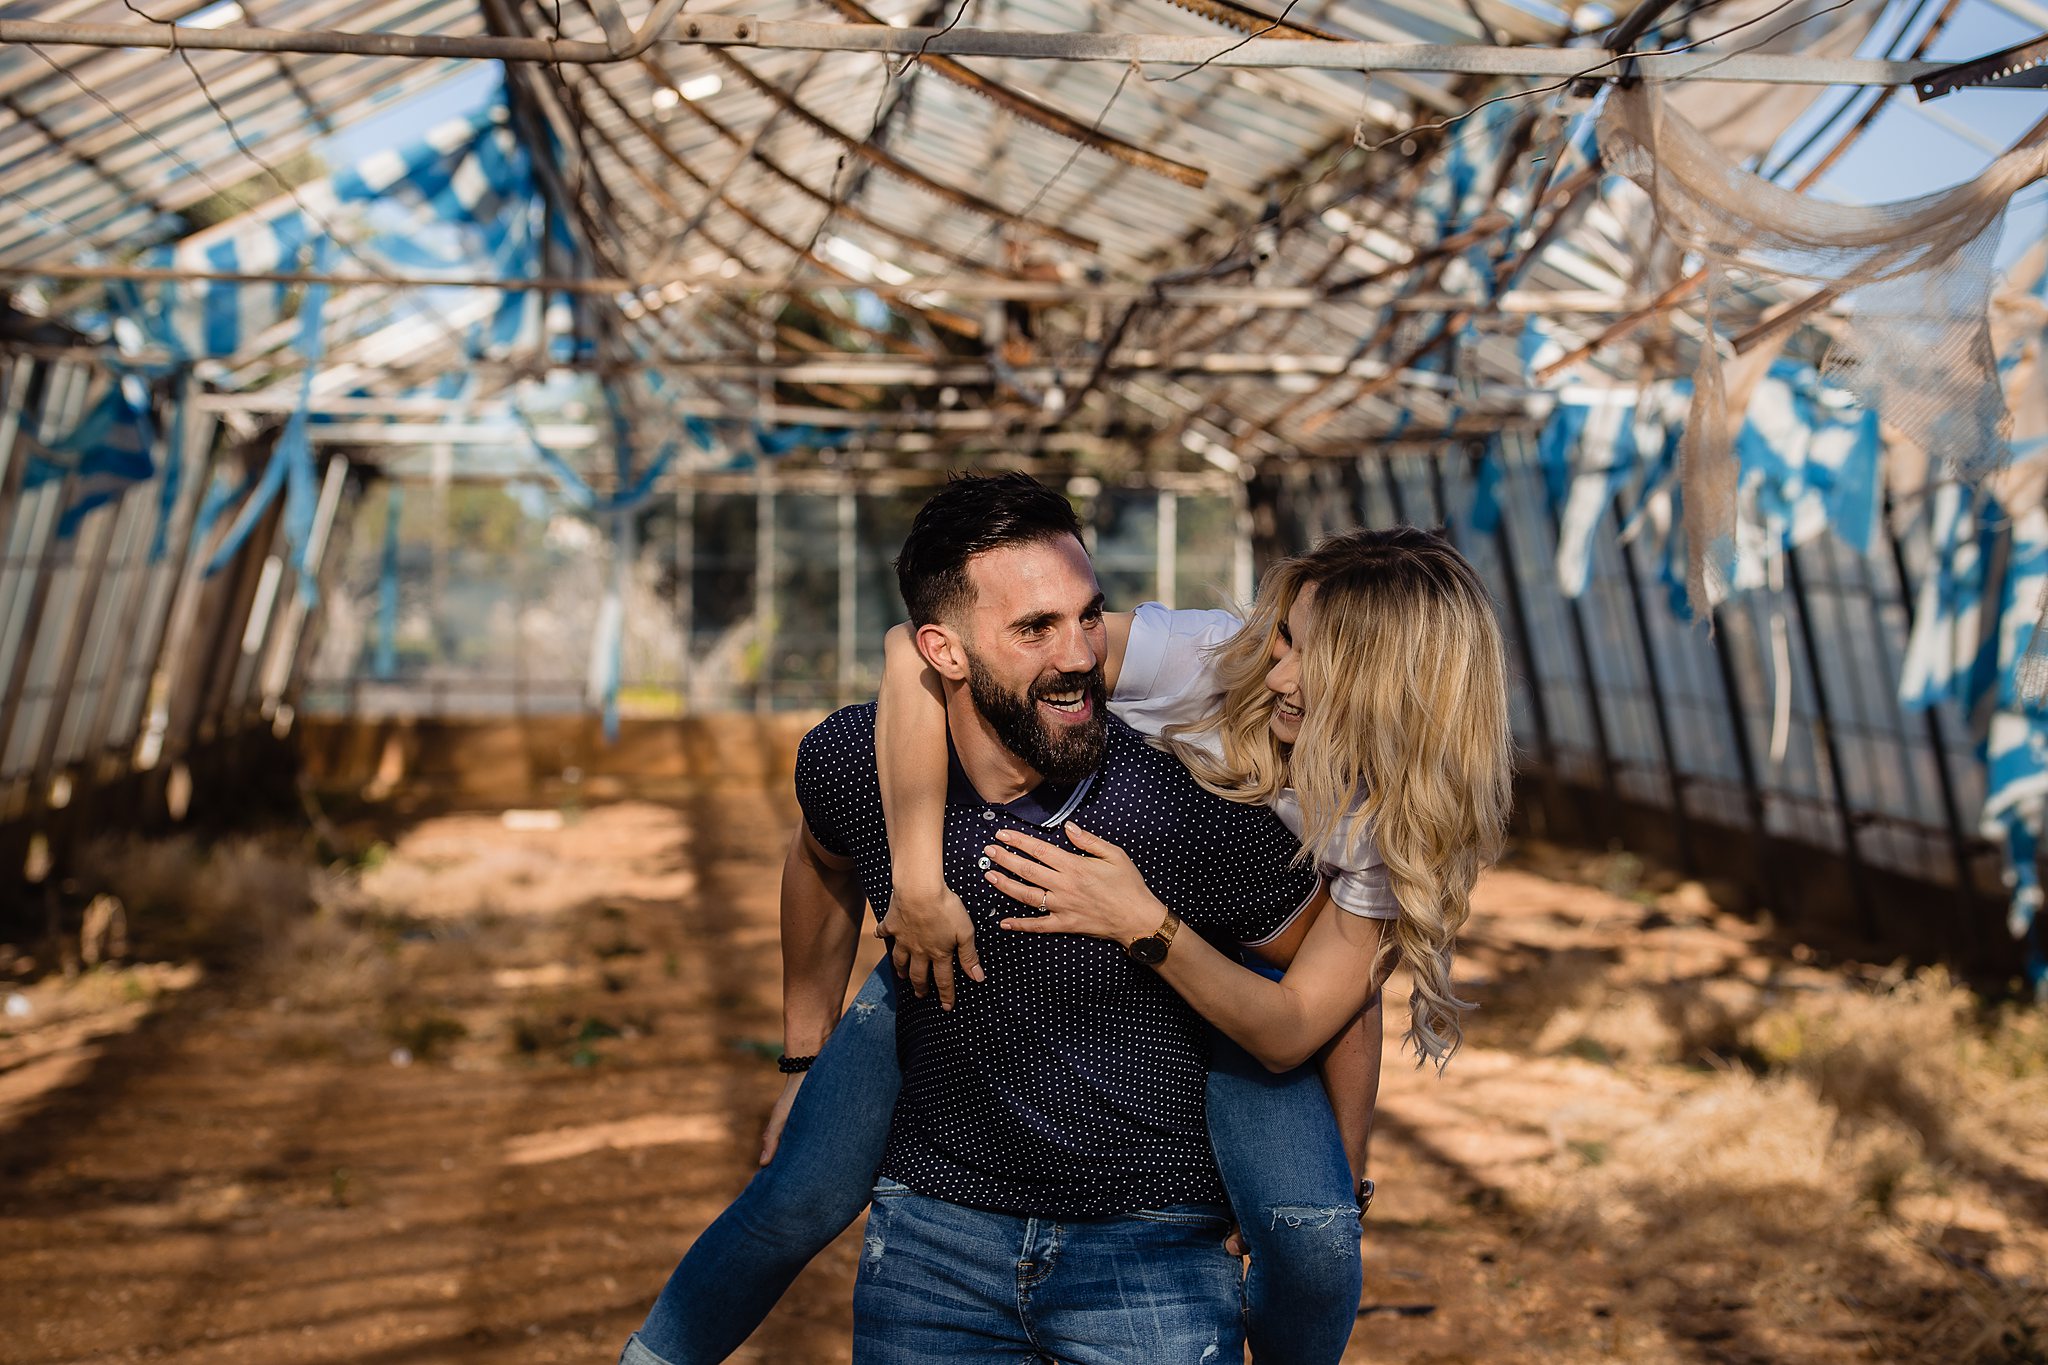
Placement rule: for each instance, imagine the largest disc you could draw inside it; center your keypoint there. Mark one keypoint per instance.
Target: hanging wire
(964, 258)
(849, 162)
(151, 138)
(1256, 33)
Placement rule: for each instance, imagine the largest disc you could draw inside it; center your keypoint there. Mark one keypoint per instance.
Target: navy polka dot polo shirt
(1069, 1084)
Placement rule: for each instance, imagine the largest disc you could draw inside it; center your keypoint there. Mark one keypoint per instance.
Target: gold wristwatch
(1151, 949)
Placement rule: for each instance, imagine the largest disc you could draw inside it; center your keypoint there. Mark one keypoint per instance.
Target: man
(1047, 1189)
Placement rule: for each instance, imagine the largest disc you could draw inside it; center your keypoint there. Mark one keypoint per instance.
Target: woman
(1365, 700)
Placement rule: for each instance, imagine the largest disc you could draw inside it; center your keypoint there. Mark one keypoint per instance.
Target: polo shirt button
(988, 815)
(982, 864)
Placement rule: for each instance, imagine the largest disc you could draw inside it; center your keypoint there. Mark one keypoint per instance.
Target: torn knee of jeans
(1310, 1216)
(872, 1248)
(1338, 1222)
(863, 1010)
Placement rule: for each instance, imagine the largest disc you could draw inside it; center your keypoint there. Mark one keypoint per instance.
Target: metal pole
(686, 583)
(849, 584)
(1518, 628)
(45, 539)
(1582, 650)
(12, 472)
(1166, 546)
(1243, 569)
(1437, 491)
(1859, 888)
(1674, 780)
(73, 631)
(105, 666)
(746, 31)
(522, 587)
(240, 38)
(277, 670)
(1745, 761)
(1394, 496)
(150, 721)
(764, 586)
(235, 606)
(1951, 810)
(20, 370)
(652, 293)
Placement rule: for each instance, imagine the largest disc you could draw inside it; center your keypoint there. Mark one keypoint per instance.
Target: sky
(1912, 150)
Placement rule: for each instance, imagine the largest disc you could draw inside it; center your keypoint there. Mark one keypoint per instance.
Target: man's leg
(1156, 1287)
(793, 1208)
(938, 1282)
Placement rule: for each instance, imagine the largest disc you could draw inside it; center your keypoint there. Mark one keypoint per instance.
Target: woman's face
(1284, 678)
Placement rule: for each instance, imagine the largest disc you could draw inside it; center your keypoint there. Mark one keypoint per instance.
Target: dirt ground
(467, 1096)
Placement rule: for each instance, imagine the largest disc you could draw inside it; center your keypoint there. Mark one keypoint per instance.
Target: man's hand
(771, 1136)
(925, 931)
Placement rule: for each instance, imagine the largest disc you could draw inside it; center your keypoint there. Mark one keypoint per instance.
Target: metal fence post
(1674, 780)
(1959, 841)
(1859, 887)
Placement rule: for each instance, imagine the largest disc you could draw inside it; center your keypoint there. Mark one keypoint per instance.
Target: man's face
(1035, 642)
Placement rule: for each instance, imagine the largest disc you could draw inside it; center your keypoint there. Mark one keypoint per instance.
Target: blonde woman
(1365, 700)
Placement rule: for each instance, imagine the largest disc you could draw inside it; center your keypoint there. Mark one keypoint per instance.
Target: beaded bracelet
(792, 1066)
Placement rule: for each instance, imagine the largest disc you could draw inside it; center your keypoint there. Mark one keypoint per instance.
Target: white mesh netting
(1915, 276)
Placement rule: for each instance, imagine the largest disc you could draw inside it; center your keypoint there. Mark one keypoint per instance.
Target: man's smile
(1071, 704)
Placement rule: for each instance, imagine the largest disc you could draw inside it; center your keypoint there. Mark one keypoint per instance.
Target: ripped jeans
(942, 1282)
(1275, 1140)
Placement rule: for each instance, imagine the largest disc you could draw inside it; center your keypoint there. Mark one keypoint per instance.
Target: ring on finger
(1043, 898)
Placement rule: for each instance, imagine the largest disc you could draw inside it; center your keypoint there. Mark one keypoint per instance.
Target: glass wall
(741, 591)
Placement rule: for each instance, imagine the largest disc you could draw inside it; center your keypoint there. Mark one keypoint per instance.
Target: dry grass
(1820, 1177)
(295, 933)
(218, 901)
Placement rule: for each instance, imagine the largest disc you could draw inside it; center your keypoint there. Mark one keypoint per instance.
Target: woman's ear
(943, 649)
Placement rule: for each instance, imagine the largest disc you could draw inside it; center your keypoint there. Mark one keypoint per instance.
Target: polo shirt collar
(1049, 804)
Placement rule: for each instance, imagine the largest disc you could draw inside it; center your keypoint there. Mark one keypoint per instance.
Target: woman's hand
(1098, 891)
(925, 930)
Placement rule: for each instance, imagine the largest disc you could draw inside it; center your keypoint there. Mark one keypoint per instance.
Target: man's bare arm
(821, 914)
(822, 907)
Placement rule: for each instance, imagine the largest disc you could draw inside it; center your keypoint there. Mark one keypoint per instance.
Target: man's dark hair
(972, 514)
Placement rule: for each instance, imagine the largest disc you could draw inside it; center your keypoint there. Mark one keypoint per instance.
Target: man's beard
(1062, 756)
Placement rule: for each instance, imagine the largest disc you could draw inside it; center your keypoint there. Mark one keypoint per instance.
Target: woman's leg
(795, 1205)
(1283, 1163)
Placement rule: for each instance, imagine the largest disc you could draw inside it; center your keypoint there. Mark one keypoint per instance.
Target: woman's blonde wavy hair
(1406, 730)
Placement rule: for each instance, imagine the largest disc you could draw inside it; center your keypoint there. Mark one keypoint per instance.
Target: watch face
(1150, 950)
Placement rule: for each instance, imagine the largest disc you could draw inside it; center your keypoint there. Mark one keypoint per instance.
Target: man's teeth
(1065, 701)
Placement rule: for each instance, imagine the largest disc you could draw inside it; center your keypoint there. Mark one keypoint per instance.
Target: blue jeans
(1275, 1140)
(942, 1282)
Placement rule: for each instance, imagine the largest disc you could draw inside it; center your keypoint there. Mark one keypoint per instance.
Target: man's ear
(943, 649)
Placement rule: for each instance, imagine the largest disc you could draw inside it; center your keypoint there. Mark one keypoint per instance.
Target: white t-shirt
(1168, 678)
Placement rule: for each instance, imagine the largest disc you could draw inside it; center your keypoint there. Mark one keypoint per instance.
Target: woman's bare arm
(1350, 1067)
(1099, 892)
(927, 923)
(926, 920)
